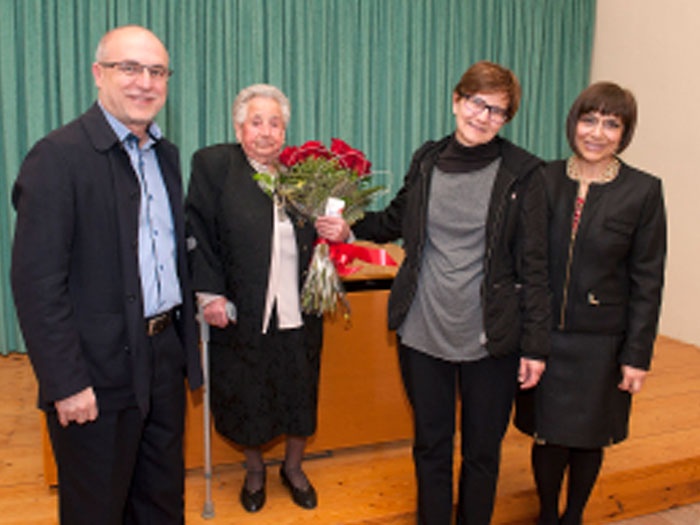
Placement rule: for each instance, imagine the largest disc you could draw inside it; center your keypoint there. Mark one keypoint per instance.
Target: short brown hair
(609, 99)
(489, 77)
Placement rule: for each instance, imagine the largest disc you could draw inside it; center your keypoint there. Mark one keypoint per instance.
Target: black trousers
(487, 388)
(125, 468)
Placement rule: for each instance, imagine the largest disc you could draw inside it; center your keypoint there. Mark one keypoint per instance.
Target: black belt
(157, 323)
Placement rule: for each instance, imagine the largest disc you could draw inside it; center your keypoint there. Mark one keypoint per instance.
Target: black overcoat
(262, 385)
(75, 271)
(229, 223)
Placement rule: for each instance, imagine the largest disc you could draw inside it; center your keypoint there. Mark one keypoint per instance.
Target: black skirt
(259, 393)
(577, 402)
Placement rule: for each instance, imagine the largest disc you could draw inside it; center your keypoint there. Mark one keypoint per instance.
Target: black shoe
(253, 501)
(306, 498)
(571, 518)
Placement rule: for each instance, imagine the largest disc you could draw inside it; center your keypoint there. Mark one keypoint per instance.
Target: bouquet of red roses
(310, 174)
(315, 181)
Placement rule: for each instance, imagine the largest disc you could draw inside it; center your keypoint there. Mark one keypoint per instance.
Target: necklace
(609, 173)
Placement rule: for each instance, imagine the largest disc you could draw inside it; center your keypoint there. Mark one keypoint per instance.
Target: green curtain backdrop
(376, 73)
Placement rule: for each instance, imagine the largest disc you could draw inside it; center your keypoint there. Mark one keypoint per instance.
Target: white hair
(240, 104)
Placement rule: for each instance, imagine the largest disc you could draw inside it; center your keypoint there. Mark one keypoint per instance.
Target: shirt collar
(122, 132)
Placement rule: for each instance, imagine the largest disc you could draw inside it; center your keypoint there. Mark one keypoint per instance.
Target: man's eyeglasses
(477, 105)
(133, 69)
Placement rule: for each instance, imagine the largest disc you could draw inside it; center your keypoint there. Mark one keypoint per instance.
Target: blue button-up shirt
(156, 245)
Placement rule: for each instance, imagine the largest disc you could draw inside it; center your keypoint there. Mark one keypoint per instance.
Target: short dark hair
(609, 99)
(489, 77)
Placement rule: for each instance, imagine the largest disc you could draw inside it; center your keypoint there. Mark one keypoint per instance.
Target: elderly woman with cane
(248, 256)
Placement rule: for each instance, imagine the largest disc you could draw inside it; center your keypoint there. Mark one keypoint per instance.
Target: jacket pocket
(616, 225)
(502, 318)
(104, 344)
(605, 309)
(606, 294)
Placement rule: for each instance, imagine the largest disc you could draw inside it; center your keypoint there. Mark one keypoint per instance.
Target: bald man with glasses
(100, 283)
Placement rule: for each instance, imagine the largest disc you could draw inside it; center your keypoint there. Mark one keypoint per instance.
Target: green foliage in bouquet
(308, 177)
(323, 289)
(312, 173)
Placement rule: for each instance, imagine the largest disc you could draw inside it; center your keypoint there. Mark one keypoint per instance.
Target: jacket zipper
(498, 219)
(424, 185)
(569, 262)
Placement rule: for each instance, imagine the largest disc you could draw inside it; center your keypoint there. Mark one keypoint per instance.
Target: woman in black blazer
(607, 246)
(248, 256)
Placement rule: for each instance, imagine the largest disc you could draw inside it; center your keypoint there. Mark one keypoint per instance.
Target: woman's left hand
(530, 372)
(632, 379)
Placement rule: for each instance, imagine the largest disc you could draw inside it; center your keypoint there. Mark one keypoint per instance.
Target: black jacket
(229, 224)
(614, 282)
(515, 297)
(75, 271)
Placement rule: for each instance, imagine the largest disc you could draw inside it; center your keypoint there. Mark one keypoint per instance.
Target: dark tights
(293, 454)
(549, 462)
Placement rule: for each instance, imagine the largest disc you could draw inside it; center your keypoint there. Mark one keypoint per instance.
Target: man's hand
(80, 408)
(530, 372)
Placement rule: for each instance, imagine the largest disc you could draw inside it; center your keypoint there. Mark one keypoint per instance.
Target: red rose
(340, 147)
(350, 158)
(355, 160)
(314, 149)
(289, 156)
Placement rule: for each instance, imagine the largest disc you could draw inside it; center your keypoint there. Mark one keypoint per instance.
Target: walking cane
(208, 510)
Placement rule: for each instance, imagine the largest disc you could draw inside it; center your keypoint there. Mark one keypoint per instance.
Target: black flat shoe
(306, 498)
(253, 501)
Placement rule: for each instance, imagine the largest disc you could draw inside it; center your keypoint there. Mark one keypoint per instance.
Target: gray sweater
(445, 319)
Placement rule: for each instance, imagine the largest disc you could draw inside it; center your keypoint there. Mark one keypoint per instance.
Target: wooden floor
(658, 468)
